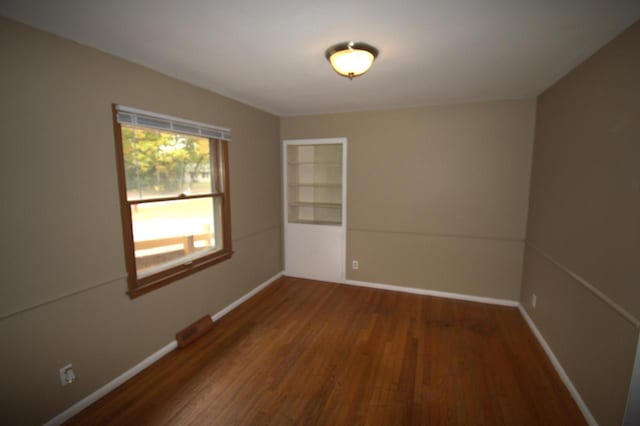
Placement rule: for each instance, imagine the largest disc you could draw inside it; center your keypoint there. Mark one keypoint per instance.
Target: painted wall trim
(488, 300)
(122, 277)
(244, 298)
(556, 364)
(586, 284)
(441, 235)
(104, 390)
(435, 293)
(414, 290)
(33, 306)
(312, 277)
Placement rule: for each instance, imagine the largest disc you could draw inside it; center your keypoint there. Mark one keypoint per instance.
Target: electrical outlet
(355, 264)
(67, 375)
(534, 300)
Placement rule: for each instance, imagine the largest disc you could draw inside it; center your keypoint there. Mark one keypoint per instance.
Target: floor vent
(194, 331)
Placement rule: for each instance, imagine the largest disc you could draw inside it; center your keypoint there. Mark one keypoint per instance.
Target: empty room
(320, 213)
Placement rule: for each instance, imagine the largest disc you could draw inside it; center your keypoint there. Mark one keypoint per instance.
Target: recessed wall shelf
(314, 204)
(314, 184)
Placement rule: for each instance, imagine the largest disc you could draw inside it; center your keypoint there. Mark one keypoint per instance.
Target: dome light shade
(351, 59)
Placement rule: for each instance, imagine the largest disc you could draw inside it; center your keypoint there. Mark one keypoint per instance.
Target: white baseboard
(244, 298)
(104, 390)
(435, 293)
(413, 290)
(563, 374)
(503, 302)
(314, 278)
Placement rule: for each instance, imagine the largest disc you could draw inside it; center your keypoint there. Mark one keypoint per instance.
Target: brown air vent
(194, 331)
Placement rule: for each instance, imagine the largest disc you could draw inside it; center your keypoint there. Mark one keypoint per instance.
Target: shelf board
(318, 185)
(316, 222)
(314, 163)
(316, 205)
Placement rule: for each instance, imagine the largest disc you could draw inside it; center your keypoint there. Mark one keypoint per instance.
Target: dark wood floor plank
(310, 353)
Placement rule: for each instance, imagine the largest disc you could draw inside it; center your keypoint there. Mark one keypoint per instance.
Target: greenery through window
(175, 204)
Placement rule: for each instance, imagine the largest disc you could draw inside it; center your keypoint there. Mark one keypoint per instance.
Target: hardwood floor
(312, 353)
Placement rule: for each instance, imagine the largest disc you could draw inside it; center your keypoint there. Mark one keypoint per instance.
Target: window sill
(139, 287)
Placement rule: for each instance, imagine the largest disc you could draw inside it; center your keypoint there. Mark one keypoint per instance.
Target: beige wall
(436, 196)
(437, 199)
(62, 297)
(585, 216)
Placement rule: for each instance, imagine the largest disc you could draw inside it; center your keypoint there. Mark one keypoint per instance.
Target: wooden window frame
(139, 286)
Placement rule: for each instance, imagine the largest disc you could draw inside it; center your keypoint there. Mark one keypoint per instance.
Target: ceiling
(270, 54)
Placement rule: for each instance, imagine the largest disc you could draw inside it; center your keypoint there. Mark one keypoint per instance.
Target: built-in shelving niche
(314, 184)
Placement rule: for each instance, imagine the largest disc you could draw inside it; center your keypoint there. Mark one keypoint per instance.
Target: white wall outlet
(355, 264)
(534, 300)
(67, 375)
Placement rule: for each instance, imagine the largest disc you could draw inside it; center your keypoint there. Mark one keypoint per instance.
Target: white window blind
(138, 117)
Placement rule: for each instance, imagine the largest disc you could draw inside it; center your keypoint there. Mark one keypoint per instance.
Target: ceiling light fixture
(351, 59)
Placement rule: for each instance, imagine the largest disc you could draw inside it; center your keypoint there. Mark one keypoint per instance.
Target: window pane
(164, 164)
(171, 233)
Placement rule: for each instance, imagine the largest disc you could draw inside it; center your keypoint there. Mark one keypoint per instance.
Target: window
(174, 195)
